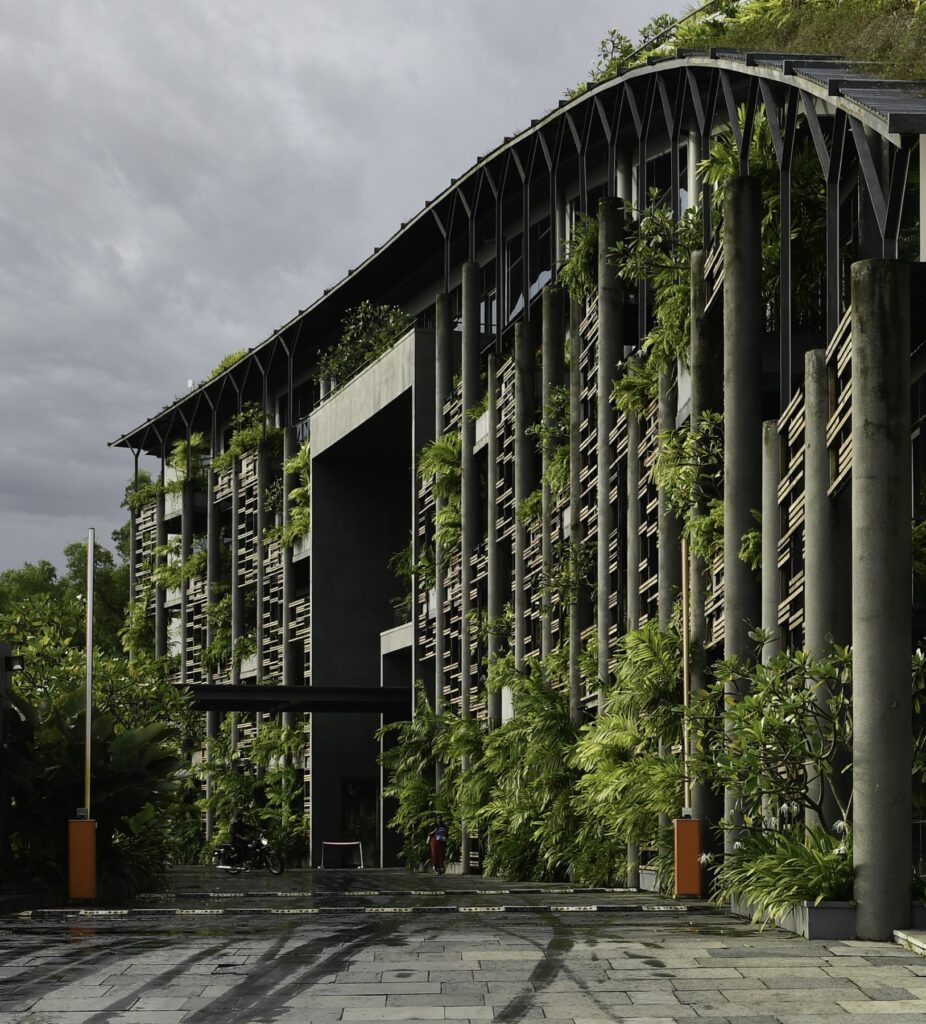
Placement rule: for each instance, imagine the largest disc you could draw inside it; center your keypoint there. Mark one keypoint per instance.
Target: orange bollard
(687, 857)
(82, 859)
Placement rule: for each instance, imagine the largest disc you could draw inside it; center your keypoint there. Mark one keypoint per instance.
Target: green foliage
(132, 769)
(226, 361)
(808, 216)
(218, 653)
(188, 459)
(250, 433)
(626, 781)
(409, 759)
(552, 434)
(891, 33)
(572, 571)
(689, 464)
(637, 387)
(658, 249)
(440, 464)
(791, 723)
(474, 412)
(528, 822)
(261, 783)
(751, 544)
(616, 52)
(37, 596)
(367, 331)
(530, 509)
(578, 272)
(170, 571)
(778, 870)
(300, 497)
(919, 549)
(705, 532)
(142, 492)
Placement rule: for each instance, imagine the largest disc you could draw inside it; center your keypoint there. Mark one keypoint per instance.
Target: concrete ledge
(912, 939)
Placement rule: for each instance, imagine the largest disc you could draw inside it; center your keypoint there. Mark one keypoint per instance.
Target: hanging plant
(552, 434)
(578, 272)
(440, 464)
(250, 433)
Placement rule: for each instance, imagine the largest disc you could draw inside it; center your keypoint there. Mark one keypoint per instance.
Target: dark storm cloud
(178, 179)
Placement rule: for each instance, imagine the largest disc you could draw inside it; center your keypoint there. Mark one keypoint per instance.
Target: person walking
(437, 839)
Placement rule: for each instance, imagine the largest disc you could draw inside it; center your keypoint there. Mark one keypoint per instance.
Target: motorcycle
(256, 853)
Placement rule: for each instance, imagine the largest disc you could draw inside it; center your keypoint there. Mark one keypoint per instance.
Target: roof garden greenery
(890, 34)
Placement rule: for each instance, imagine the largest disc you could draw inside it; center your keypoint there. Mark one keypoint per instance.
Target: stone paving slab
(654, 966)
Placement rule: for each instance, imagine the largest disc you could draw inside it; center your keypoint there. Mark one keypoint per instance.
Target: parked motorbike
(256, 853)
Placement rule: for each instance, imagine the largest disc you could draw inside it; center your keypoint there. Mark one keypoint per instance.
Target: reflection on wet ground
(400, 946)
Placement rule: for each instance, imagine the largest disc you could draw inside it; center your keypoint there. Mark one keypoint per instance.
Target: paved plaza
(385, 946)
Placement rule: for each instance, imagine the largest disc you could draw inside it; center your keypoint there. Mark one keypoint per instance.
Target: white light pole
(91, 550)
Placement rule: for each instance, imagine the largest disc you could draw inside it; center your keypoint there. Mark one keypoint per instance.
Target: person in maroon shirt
(437, 839)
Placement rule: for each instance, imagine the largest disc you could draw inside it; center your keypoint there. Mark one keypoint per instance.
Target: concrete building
(822, 426)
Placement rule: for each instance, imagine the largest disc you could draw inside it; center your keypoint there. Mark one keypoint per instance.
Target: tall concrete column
(633, 580)
(472, 282)
(706, 385)
(823, 582)
(771, 534)
(160, 607)
(742, 389)
(472, 286)
(524, 474)
(881, 613)
(237, 596)
(553, 360)
(291, 669)
(610, 351)
(213, 555)
(186, 549)
(213, 721)
(260, 528)
(213, 541)
(669, 528)
(493, 567)
(133, 555)
(669, 550)
(578, 602)
(443, 374)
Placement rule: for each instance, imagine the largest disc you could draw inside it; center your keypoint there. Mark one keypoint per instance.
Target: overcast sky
(178, 178)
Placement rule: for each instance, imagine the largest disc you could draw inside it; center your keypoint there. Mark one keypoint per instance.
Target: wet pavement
(380, 946)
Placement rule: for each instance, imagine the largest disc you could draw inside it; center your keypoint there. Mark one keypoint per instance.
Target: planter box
(827, 920)
(648, 881)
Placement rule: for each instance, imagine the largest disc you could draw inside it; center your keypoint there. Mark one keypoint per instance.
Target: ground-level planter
(648, 881)
(827, 920)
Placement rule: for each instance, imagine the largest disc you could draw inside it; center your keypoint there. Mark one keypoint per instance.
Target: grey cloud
(178, 179)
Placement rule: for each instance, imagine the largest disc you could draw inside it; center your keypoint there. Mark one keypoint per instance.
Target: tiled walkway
(373, 958)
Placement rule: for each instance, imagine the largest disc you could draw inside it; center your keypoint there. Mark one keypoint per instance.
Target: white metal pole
(686, 671)
(91, 549)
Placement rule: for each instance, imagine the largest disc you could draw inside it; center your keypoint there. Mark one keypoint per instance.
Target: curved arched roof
(692, 91)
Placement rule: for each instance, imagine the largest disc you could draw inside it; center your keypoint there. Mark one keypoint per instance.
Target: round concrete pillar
(743, 329)
(881, 611)
(552, 347)
(610, 351)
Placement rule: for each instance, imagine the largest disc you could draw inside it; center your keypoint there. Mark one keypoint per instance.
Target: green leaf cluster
(250, 433)
(260, 781)
(892, 33)
(367, 331)
(441, 464)
(578, 272)
(775, 871)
